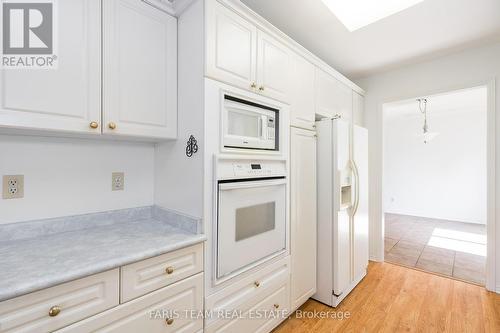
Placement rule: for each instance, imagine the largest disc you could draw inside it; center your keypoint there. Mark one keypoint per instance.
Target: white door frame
(491, 177)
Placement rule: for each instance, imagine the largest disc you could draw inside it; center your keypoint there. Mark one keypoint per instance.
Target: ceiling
(429, 29)
(460, 101)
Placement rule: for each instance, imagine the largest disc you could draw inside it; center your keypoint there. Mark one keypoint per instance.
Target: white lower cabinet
(170, 287)
(142, 277)
(258, 302)
(303, 222)
(175, 308)
(62, 305)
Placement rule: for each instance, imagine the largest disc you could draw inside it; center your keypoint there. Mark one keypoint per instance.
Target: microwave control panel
(252, 170)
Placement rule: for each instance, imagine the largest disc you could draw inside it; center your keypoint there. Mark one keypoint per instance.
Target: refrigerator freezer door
(360, 219)
(341, 218)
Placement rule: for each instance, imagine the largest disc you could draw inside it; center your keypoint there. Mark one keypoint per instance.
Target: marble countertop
(47, 255)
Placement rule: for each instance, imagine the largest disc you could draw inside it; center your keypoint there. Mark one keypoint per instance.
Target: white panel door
(361, 219)
(231, 47)
(273, 67)
(302, 89)
(332, 97)
(303, 215)
(166, 310)
(341, 217)
(358, 109)
(140, 70)
(67, 98)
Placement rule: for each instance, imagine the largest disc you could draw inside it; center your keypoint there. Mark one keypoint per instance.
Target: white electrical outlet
(13, 187)
(117, 181)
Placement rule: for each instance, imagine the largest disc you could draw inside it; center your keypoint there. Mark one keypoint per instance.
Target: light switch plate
(117, 181)
(13, 187)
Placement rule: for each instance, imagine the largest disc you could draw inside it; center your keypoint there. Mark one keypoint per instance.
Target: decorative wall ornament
(192, 146)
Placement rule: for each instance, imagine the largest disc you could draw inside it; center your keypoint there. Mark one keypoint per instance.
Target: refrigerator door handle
(356, 188)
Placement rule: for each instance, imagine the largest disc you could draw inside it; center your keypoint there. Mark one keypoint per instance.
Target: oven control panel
(252, 170)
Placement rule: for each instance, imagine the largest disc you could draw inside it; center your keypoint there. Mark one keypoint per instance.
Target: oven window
(254, 220)
(242, 124)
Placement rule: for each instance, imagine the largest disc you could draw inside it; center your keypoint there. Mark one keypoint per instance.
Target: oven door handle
(251, 184)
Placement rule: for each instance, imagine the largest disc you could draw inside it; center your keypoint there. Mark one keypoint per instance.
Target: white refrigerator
(342, 171)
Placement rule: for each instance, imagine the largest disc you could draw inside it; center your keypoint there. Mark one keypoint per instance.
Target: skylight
(355, 14)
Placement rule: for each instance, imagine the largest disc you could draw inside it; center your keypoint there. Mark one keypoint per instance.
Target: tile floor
(449, 248)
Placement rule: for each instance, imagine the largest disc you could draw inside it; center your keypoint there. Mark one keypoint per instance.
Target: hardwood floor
(393, 298)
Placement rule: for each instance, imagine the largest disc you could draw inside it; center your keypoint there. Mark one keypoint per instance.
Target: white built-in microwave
(249, 125)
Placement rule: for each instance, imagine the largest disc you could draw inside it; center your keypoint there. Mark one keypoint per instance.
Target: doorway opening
(435, 183)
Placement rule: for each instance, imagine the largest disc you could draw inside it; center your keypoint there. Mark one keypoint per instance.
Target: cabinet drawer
(142, 277)
(243, 295)
(76, 300)
(166, 310)
(262, 317)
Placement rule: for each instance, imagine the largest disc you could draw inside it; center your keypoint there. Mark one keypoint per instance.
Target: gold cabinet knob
(276, 306)
(169, 270)
(261, 88)
(94, 124)
(256, 284)
(54, 311)
(169, 321)
(112, 125)
(253, 85)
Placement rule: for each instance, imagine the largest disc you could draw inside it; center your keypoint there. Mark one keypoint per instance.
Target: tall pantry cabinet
(302, 183)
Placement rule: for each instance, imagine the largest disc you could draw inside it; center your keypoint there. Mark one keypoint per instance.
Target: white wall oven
(249, 125)
(251, 215)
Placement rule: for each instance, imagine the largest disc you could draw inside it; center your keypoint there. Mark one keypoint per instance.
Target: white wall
(468, 68)
(445, 178)
(178, 178)
(73, 176)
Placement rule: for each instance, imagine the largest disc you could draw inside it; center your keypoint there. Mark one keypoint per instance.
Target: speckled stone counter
(40, 254)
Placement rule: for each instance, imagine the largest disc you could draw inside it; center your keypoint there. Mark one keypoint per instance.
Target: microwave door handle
(260, 127)
(262, 132)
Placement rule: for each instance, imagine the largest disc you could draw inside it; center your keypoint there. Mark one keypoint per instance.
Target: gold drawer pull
(112, 125)
(94, 124)
(276, 306)
(257, 284)
(54, 311)
(169, 321)
(169, 270)
(253, 85)
(261, 88)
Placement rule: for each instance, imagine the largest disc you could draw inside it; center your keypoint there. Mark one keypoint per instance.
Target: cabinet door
(231, 47)
(66, 98)
(358, 109)
(140, 70)
(332, 97)
(303, 215)
(175, 308)
(302, 93)
(273, 67)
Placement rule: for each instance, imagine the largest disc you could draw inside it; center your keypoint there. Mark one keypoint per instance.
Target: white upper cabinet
(231, 47)
(67, 98)
(140, 70)
(273, 67)
(332, 97)
(358, 109)
(240, 54)
(302, 96)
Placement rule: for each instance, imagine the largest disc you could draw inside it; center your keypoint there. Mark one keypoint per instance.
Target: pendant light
(426, 136)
